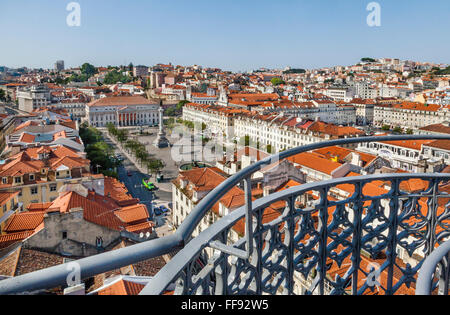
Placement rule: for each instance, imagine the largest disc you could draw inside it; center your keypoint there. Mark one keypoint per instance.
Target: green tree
(88, 70)
(171, 111)
(277, 81)
(155, 166)
(398, 130)
(115, 76)
(386, 128)
(366, 59)
(2, 95)
(181, 104)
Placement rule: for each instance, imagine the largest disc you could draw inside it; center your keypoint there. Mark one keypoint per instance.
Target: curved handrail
(91, 266)
(170, 271)
(426, 273)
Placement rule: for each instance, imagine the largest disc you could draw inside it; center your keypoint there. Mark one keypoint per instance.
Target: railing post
(290, 224)
(357, 235)
(392, 245)
(433, 217)
(248, 216)
(323, 229)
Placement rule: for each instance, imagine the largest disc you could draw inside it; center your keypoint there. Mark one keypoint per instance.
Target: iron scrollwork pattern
(321, 245)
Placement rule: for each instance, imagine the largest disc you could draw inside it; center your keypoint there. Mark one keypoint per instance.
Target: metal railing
(308, 242)
(435, 272)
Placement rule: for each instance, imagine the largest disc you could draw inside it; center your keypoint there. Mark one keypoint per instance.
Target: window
(34, 190)
(64, 235)
(5, 180)
(31, 177)
(17, 180)
(52, 187)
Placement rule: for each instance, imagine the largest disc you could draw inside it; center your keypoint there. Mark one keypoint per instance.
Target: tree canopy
(367, 59)
(277, 81)
(88, 69)
(2, 95)
(291, 71)
(115, 76)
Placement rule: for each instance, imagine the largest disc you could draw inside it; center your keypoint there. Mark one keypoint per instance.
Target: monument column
(161, 141)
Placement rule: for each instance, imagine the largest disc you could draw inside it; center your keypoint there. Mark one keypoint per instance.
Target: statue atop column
(161, 141)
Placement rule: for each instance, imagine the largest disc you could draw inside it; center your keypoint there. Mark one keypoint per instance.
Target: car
(120, 158)
(164, 209)
(149, 185)
(157, 211)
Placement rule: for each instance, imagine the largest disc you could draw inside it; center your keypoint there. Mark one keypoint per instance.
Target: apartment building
(140, 71)
(81, 222)
(410, 155)
(76, 108)
(9, 205)
(282, 133)
(364, 111)
(34, 133)
(208, 98)
(190, 187)
(218, 119)
(340, 93)
(34, 97)
(325, 110)
(410, 115)
(39, 173)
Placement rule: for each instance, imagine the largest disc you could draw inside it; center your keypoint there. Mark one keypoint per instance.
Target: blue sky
(232, 34)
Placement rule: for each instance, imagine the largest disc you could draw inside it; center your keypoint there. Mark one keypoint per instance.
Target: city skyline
(273, 35)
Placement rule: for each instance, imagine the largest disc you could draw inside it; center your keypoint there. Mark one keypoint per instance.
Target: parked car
(164, 209)
(120, 158)
(157, 211)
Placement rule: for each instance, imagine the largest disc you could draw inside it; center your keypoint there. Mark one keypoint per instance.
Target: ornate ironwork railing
(314, 244)
(320, 248)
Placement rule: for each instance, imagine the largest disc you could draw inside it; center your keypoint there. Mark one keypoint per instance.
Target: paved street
(136, 189)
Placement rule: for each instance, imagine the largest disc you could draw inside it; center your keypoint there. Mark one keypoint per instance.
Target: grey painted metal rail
(91, 266)
(439, 258)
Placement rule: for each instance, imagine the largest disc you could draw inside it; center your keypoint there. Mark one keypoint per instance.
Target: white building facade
(123, 111)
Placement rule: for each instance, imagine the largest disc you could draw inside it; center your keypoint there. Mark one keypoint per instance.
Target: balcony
(392, 243)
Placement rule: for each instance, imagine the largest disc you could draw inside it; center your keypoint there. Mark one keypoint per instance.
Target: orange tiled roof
(122, 100)
(122, 287)
(12, 238)
(7, 196)
(25, 221)
(315, 162)
(132, 214)
(410, 144)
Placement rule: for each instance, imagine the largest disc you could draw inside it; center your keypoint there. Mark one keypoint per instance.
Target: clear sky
(232, 34)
